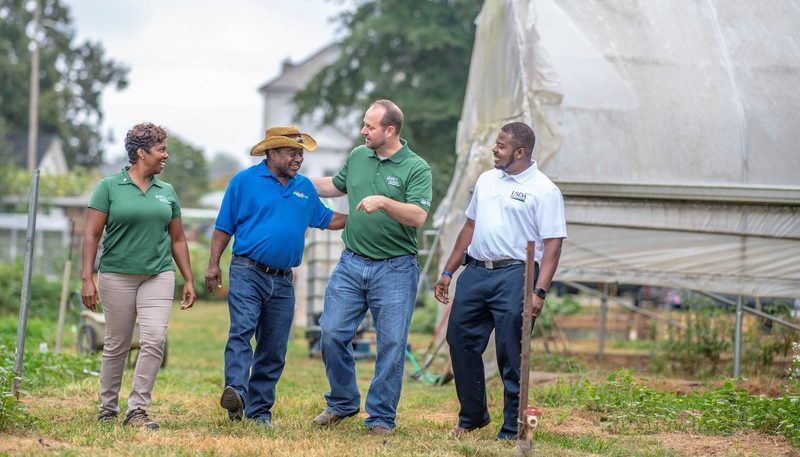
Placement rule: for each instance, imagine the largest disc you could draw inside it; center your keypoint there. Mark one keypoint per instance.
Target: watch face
(541, 293)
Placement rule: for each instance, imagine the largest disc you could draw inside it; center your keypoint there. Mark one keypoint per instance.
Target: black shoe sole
(231, 401)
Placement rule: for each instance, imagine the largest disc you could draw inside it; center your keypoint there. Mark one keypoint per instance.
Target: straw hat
(284, 137)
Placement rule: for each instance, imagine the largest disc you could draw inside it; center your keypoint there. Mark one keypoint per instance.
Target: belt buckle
(489, 264)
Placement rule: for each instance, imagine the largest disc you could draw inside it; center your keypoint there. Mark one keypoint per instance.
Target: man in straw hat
(267, 208)
(388, 189)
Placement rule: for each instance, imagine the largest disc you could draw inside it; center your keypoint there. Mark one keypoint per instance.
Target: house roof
(295, 76)
(19, 147)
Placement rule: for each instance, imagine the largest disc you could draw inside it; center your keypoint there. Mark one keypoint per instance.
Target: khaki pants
(123, 297)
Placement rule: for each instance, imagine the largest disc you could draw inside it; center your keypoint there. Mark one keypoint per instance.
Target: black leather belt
(493, 264)
(266, 269)
(370, 258)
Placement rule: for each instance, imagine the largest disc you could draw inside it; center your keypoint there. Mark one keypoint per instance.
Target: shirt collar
(398, 156)
(265, 172)
(124, 178)
(525, 175)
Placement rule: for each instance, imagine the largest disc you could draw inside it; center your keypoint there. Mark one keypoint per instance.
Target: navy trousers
(487, 300)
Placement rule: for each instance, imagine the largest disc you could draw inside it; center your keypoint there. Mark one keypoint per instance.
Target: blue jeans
(260, 304)
(388, 289)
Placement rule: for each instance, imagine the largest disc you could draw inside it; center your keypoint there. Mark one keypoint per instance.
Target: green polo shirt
(404, 177)
(136, 238)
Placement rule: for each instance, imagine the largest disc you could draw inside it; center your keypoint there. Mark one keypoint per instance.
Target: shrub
(44, 293)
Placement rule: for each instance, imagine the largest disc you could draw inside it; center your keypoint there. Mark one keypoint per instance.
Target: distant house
(50, 157)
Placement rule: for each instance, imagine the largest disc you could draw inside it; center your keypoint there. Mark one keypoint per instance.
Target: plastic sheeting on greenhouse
(672, 128)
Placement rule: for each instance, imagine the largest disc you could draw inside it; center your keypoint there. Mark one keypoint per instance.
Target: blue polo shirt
(267, 220)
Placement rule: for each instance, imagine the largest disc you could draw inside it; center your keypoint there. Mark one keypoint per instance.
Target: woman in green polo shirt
(141, 217)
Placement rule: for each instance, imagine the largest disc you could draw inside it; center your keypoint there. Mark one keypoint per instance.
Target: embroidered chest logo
(161, 198)
(521, 196)
(393, 181)
(299, 194)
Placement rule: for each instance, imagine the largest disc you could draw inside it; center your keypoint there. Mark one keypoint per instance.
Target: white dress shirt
(510, 210)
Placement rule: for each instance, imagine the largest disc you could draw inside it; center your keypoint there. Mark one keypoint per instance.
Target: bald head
(392, 115)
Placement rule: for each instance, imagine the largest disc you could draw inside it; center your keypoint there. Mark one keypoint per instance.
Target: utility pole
(33, 109)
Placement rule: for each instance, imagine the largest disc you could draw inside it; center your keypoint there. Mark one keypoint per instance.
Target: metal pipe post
(601, 344)
(33, 109)
(737, 339)
(26, 284)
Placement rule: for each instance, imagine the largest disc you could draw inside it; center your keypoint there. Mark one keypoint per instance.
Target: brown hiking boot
(379, 430)
(139, 418)
(327, 418)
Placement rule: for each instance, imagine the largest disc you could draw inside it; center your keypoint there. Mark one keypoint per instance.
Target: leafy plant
(11, 411)
(763, 340)
(698, 348)
(794, 370)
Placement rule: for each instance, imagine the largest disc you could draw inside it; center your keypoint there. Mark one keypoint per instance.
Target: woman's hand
(89, 295)
(188, 296)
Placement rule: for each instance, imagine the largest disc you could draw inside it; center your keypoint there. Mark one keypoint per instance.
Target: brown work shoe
(327, 418)
(461, 431)
(138, 418)
(380, 430)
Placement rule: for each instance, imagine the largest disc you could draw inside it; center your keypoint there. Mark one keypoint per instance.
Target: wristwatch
(541, 293)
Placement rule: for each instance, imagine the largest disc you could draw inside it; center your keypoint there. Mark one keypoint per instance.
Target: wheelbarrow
(91, 333)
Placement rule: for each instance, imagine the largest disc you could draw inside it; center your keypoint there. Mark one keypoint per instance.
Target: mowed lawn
(186, 405)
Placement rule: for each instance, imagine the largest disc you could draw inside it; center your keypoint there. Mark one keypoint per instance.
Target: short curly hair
(145, 136)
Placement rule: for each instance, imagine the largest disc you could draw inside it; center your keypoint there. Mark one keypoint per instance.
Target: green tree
(186, 170)
(72, 78)
(414, 52)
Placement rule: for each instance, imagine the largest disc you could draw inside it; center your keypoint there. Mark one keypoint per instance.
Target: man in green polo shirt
(388, 189)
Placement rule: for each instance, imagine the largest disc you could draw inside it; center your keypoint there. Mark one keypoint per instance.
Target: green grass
(62, 406)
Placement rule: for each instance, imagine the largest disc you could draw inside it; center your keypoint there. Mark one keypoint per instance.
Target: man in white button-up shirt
(511, 204)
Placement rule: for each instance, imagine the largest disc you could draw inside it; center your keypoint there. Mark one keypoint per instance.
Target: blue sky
(196, 64)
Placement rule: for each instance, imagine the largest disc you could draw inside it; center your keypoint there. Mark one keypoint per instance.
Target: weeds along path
(186, 396)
